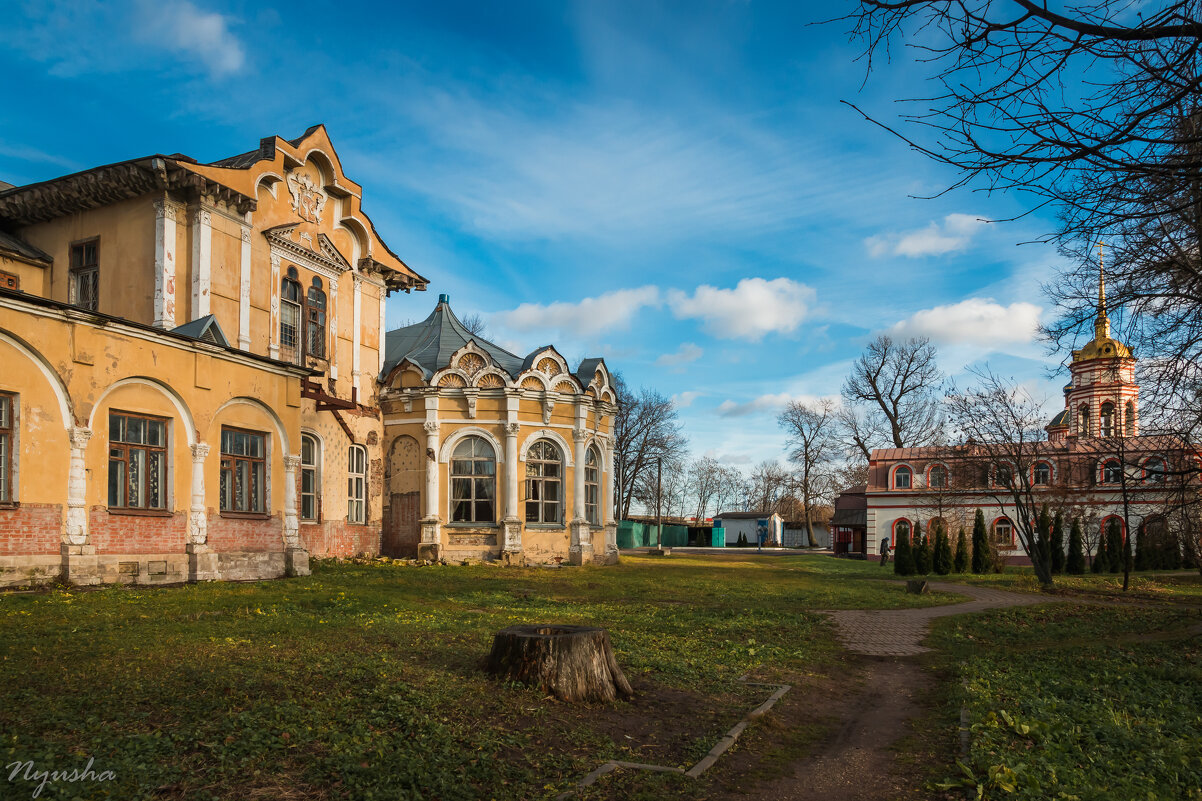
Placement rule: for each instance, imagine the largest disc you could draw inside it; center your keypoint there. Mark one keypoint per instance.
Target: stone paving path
(900, 632)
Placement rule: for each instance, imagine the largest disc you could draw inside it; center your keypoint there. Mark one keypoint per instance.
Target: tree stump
(917, 586)
(573, 663)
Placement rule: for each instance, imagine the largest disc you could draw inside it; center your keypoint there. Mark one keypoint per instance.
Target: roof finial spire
(1101, 324)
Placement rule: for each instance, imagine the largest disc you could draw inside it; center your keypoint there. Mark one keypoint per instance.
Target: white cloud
(954, 233)
(586, 318)
(204, 35)
(685, 399)
(772, 402)
(687, 352)
(752, 309)
(975, 321)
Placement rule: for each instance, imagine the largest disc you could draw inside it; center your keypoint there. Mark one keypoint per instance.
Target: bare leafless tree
(646, 430)
(767, 485)
(705, 480)
(475, 325)
(892, 396)
(1094, 110)
(813, 444)
(1002, 430)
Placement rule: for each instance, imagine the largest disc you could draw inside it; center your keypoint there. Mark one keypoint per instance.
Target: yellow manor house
(195, 387)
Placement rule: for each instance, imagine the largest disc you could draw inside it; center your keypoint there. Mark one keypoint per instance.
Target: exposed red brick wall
(31, 529)
(117, 533)
(234, 534)
(339, 538)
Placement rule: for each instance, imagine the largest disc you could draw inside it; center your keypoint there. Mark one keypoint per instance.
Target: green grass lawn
(363, 681)
(1078, 702)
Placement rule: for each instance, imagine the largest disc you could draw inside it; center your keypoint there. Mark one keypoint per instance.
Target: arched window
(473, 482)
(310, 494)
(937, 477)
(902, 477)
(315, 320)
(544, 473)
(1154, 470)
(1042, 474)
(1129, 419)
(290, 318)
(1003, 476)
(1112, 472)
(1107, 419)
(137, 462)
(1003, 531)
(901, 530)
(592, 487)
(1083, 420)
(356, 484)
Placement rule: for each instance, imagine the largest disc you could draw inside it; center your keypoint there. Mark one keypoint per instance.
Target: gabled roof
(431, 343)
(15, 246)
(206, 329)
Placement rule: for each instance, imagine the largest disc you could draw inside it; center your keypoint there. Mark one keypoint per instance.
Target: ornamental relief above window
(471, 363)
(308, 198)
(548, 366)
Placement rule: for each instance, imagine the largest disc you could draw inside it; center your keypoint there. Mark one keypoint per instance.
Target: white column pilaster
(202, 261)
(198, 525)
(383, 326)
(167, 214)
(291, 521)
(296, 558)
(77, 487)
(357, 322)
(244, 291)
(333, 354)
(273, 335)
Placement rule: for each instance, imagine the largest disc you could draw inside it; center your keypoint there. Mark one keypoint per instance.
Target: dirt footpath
(857, 762)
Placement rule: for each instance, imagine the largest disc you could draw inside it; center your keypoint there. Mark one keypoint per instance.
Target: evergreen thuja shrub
(941, 561)
(960, 562)
(922, 551)
(1075, 563)
(903, 557)
(1058, 543)
(1114, 546)
(980, 544)
(1101, 559)
(1044, 540)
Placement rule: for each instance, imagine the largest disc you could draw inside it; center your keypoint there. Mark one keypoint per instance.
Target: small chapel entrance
(404, 474)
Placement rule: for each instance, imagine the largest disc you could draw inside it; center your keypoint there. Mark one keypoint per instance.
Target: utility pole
(659, 502)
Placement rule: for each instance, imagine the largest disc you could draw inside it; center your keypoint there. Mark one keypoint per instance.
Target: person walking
(884, 550)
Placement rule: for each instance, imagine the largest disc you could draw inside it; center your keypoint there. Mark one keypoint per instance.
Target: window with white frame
(902, 477)
(937, 477)
(290, 317)
(1003, 532)
(356, 484)
(1106, 418)
(1154, 470)
(592, 486)
(1042, 474)
(1112, 472)
(473, 482)
(85, 275)
(1003, 476)
(310, 494)
(8, 456)
(544, 483)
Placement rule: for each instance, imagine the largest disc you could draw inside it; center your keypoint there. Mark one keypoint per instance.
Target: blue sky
(675, 186)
